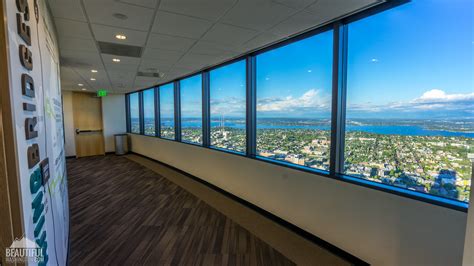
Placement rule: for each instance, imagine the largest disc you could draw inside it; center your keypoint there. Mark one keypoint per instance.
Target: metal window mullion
(206, 119)
(157, 112)
(127, 112)
(141, 113)
(251, 117)
(338, 98)
(177, 110)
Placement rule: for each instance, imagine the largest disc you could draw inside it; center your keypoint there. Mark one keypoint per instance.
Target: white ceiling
(178, 36)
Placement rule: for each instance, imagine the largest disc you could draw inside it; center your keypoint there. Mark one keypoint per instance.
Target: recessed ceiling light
(120, 36)
(94, 71)
(116, 60)
(93, 79)
(84, 89)
(80, 84)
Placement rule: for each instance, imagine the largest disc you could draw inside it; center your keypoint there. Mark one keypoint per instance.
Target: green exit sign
(101, 93)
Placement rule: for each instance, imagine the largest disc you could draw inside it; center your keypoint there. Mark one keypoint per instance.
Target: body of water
(376, 129)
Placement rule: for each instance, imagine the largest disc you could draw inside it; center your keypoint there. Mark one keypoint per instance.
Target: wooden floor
(125, 214)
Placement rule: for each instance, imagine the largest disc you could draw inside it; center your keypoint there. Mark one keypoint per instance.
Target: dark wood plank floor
(124, 214)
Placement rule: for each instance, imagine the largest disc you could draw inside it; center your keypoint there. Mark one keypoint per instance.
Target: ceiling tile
(330, 9)
(160, 41)
(159, 65)
(80, 59)
(101, 79)
(71, 28)
(299, 22)
(144, 3)
(257, 14)
(195, 61)
(101, 12)
(121, 76)
(261, 40)
(69, 9)
(229, 35)
(211, 48)
(107, 34)
(206, 9)
(121, 67)
(180, 25)
(295, 3)
(145, 82)
(123, 60)
(77, 44)
(164, 55)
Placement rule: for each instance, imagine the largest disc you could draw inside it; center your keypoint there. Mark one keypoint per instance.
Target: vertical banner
(36, 94)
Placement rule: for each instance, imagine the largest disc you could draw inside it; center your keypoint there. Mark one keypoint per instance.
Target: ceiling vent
(120, 49)
(150, 74)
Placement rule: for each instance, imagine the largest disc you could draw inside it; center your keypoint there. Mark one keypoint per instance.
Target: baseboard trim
(295, 229)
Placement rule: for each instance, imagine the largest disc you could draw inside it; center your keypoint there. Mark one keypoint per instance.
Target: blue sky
(191, 97)
(167, 101)
(413, 61)
(227, 91)
(134, 113)
(149, 102)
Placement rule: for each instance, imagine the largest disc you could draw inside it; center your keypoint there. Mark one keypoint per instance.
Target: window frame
(338, 109)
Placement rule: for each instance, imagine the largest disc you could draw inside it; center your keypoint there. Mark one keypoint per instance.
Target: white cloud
(312, 99)
(439, 96)
(228, 106)
(431, 100)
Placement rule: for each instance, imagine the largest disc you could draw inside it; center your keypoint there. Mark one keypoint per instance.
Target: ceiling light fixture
(94, 71)
(116, 60)
(93, 79)
(120, 37)
(80, 84)
(84, 89)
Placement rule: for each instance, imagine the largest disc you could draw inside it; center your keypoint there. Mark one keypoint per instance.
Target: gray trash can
(121, 144)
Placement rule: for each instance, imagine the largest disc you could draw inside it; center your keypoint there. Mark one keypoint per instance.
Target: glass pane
(167, 111)
(294, 85)
(149, 111)
(191, 109)
(134, 113)
(410, 98)
(228, 107)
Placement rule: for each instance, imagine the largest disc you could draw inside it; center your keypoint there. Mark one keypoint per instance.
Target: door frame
(74, 124)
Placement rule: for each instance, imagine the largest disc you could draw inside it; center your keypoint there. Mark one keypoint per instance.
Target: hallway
(124, 213)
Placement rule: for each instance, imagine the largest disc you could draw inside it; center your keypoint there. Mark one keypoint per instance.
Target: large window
(410, 98)
(191, 109)
(149, 111)
(134, 113)
(294, 85)
(228, 107)
(167, 111)
(405, 101)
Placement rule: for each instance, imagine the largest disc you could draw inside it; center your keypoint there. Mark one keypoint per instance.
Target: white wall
(70, 144)
(378, 227)
(113, 118)
(468, 259)
(50, 139)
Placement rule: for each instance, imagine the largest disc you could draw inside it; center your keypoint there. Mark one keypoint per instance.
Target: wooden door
(87, 113)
